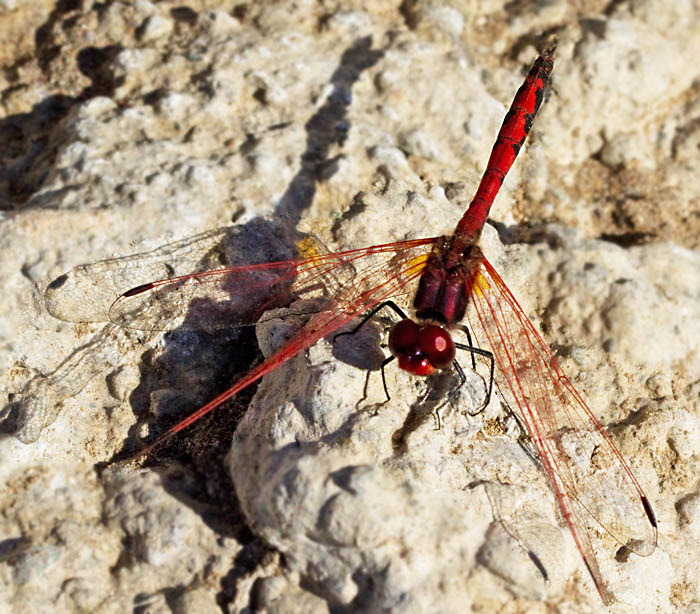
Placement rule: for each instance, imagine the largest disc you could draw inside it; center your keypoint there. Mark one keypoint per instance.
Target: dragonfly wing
(86, 292)
(587, 471)
(240, 295)
(208, 299)
(382, 272)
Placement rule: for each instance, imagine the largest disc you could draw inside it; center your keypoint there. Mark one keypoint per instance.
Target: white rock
(179, 141)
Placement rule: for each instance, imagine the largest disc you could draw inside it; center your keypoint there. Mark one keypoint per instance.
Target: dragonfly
(586, 472)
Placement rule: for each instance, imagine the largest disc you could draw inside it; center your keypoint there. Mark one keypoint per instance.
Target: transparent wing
(585, 468)
(206, 299)
(86, 292)
(240, 295)
(383, 271)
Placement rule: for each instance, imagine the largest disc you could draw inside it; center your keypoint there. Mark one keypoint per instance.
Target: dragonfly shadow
(439, 386)
(360, 349)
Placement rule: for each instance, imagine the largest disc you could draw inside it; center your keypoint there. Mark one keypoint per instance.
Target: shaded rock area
(213, 134)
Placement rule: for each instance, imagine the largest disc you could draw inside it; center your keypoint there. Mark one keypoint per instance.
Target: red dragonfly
(586, 471)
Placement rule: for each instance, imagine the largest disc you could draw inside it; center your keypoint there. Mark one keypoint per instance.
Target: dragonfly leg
(460, 373)
(465, 330)
(474, 351)
(436, 416)
(385, 362)
(370, 314)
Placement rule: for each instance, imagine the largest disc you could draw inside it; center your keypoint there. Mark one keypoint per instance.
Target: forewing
(383, 272)
(86, 292)
(209, 299)
(240, 295)
(586, 469)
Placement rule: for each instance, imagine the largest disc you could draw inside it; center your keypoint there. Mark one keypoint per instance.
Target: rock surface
(223, 132)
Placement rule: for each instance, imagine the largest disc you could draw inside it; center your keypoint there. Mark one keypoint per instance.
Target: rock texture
(219, 133)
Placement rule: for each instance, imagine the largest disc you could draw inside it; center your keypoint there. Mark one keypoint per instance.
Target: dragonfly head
(421, 349)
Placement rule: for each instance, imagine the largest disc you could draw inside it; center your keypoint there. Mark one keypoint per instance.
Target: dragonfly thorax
(421, 349)
(442, 289)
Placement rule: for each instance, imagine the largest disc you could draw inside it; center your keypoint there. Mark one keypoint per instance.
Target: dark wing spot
(138, 289)
(536, 561)
(58, 282)
(649, 511)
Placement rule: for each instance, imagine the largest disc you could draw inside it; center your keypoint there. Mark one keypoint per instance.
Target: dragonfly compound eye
(436, 344)
(403, 338)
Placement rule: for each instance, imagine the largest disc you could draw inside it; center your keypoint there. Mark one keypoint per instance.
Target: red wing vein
(577, 453)
(239, 295)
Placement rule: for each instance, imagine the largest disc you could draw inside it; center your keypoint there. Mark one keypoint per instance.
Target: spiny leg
(474, 351)
(370, 314)
(385, 362)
